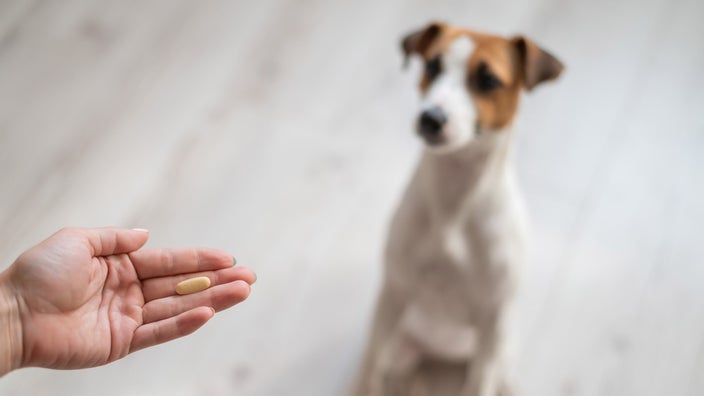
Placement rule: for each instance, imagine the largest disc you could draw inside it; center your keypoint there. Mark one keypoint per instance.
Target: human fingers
(113, 240)
(150, 263)
(155, 288)
(168, 329)
(219, 297)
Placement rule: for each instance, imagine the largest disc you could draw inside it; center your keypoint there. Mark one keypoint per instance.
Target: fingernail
(140, 229)
(255, 277)
(212, 309)
(234, 261)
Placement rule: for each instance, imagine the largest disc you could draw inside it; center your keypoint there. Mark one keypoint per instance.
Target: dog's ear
(536, 64)
(419, 41)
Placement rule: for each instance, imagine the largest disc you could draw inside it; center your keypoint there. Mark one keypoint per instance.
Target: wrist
(10, 327)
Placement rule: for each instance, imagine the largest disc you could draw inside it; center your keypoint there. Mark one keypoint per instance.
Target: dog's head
(472, 81)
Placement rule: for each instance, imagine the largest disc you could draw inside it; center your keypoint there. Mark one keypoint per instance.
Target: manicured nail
(140, 229)
(212, 309)
(234, 261)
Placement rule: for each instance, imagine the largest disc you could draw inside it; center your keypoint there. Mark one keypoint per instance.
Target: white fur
(452, 256)
(448, 91)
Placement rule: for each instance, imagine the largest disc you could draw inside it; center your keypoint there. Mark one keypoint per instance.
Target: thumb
(113, 240)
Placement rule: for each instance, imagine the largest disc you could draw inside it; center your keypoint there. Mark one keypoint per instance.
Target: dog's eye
(486, 81)
(433, 67)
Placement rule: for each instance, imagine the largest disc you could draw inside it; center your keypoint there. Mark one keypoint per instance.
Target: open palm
(87, 297)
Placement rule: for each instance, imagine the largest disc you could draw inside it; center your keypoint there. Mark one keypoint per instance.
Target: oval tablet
(193, 285)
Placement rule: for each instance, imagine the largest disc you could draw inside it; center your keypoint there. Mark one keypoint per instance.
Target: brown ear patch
(419, 41)
(537, 64)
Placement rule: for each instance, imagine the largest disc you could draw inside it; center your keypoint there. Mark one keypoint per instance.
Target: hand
(87, 297)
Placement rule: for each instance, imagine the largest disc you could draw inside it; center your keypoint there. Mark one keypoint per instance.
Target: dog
(456, 241)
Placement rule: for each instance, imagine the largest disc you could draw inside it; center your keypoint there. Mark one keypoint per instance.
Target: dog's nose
(431, 122)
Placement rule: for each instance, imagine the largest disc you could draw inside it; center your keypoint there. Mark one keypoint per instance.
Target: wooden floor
(281, 130)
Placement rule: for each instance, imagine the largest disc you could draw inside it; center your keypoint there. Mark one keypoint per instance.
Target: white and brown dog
(456, 240)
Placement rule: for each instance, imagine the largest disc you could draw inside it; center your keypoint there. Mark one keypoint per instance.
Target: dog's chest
(443, 269)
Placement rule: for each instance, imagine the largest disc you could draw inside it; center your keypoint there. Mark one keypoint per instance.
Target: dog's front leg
(398, 357)
(484, 370)
(386, 349)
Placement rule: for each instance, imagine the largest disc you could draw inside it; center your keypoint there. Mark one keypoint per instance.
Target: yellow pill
(193, 285)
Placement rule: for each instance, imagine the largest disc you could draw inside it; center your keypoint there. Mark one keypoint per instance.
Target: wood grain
(281, 130)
